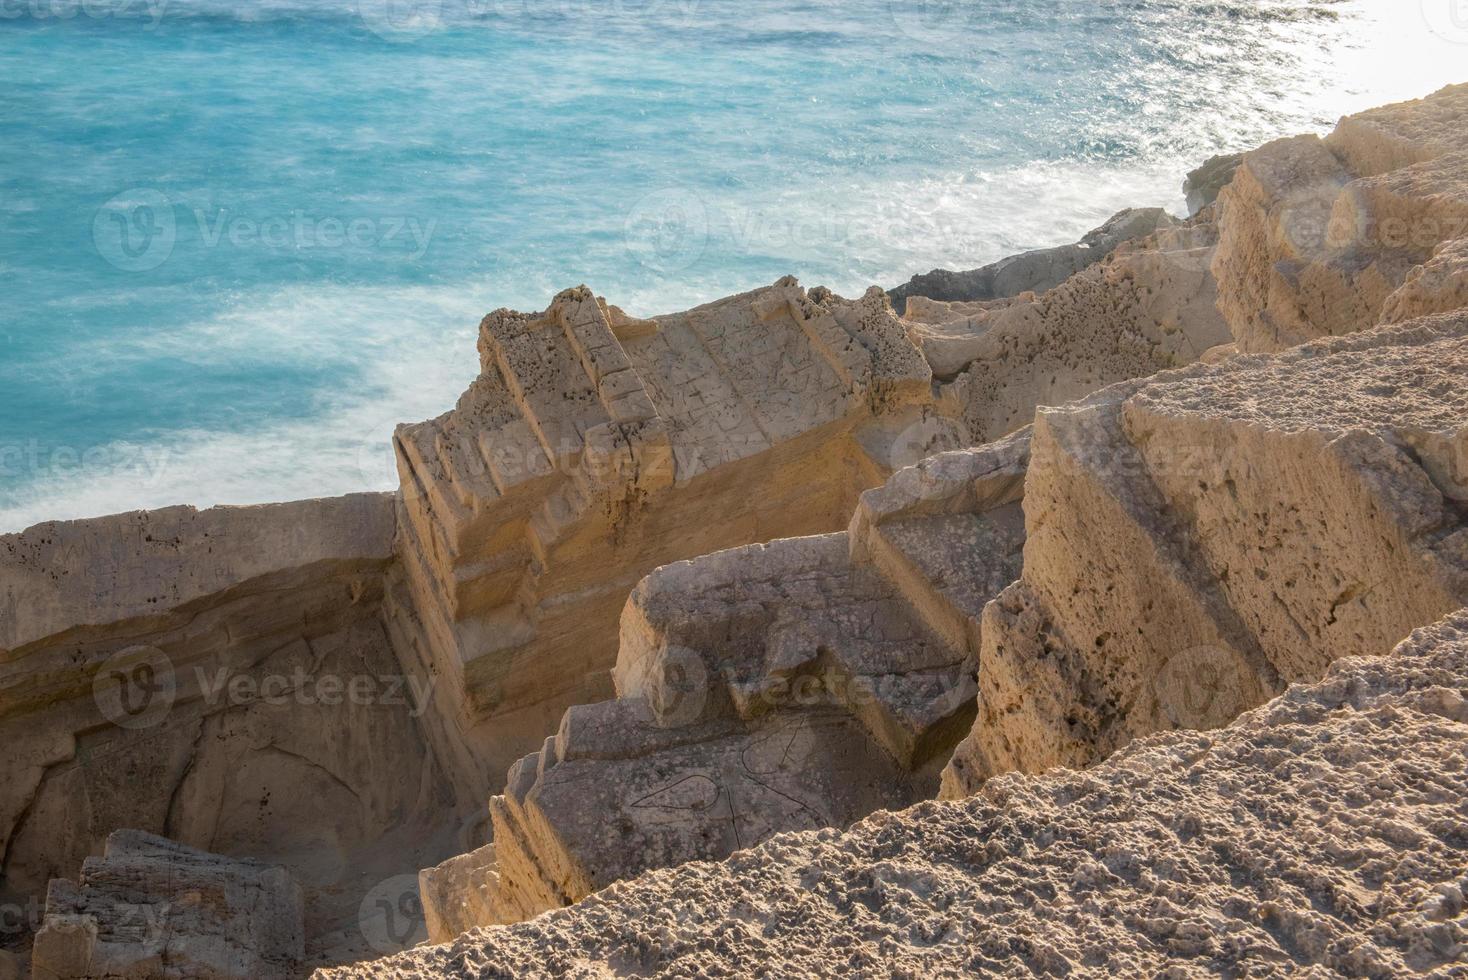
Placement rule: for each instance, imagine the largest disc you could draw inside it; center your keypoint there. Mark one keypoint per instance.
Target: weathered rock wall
(1198, 540)
(1322, 834)
(222, 678)
(1191, 544)
(594, 448)
(162, 672)
(795, 685)
(1316, 235)
(1148, 307)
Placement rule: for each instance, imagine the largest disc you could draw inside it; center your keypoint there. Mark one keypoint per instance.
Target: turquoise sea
(240, 239)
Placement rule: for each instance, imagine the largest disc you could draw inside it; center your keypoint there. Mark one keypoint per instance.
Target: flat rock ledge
(1326, 832)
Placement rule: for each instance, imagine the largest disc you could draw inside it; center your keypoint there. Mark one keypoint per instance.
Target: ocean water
(241, 239)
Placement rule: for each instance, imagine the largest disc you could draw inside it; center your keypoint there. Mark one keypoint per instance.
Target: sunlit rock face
(1199, 540)
(665, 590)
(1317, 236)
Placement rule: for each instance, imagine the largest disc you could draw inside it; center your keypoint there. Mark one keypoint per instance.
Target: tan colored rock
(1320, 835)
(1201, 539)
(586, 455)
(222, 677)
(459, 894)
(1315, 235)
(1149, 307)
(1439, 286)
(165, 671)
(63, 575)
(789, 686)
(155, 910)
(187, 649)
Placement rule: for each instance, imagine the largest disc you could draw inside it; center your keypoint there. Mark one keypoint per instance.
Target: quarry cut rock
(1321, 834)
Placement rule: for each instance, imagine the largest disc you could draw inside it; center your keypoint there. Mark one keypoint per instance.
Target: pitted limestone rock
(594, 448)
(1150, 306)
(459, 894)
(1321, 834)
(795, 685)
(1439, 286)
(1201, 539)
(1316, 235)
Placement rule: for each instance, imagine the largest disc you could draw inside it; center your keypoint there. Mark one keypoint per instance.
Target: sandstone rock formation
(459, 894)
(150, 908)
(795, 685)
(222, 678)
(1319, 835)
(1034, 271)
(1316, 235)
(1198, 540)
(1148, 307)
(337, 687)
(184, 673)
(1439, 286)
(594, 448)
(1182, 569)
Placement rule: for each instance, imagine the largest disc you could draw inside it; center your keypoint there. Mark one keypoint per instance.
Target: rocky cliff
(1322, 834)
(666, 590)
(1318, 235)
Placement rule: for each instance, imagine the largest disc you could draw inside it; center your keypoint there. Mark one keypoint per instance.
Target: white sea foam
(392, 353)
(411, 351)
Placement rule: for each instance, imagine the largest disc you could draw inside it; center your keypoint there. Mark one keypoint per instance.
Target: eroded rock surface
(222, 678)
(1150, 306)
(459, 894)
(187, 673)
(789, 686)
(1192, 544)
(1324, 833)
(1317, 235)
(155, 910)
(1198, 540)
(594, 448)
